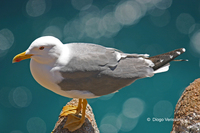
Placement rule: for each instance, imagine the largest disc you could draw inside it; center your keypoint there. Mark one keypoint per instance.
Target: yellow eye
(41, 48)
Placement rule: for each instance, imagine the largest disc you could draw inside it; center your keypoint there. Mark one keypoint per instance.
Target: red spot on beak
(18, 60)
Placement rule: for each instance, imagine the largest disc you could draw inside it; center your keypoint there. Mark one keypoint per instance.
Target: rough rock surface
(89, 126)
(187, 111)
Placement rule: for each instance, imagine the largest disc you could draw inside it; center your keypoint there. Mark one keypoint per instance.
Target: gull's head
(45, 49)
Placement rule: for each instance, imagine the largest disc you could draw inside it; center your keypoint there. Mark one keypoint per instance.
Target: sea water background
(132, 26)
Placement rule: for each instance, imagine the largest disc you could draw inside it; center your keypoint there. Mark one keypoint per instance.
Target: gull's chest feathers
(45, 75)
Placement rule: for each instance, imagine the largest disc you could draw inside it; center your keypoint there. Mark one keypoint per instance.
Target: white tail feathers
(162, 69)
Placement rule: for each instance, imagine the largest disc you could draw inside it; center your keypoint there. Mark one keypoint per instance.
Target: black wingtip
(163, 59)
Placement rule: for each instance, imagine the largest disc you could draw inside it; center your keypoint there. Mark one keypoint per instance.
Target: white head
(43, 50)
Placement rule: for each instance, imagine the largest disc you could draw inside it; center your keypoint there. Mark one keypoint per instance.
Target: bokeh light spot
(35, 8)
(20, 97)
(128, 12)
(92, 27)
(128, 124)
(133, 107)
(110, 23)
(111, 120)
(53, 31)
(107, 128)
(195, 42)
(184, 22)
(36, 125)
(163, 109)
(6, 39)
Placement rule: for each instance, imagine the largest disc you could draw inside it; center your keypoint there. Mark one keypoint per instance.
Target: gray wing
(97, 69)
(90, 58)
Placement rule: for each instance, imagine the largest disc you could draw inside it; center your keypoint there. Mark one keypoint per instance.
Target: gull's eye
(41, 48)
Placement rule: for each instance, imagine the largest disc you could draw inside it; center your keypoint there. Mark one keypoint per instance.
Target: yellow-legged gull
(83, 70)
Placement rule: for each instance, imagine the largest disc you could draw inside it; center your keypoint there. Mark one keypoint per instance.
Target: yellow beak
(21, 56)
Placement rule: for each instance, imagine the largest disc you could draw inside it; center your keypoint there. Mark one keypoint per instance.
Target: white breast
(44, 75)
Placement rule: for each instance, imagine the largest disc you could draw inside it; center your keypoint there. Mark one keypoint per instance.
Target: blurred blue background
(132, 26)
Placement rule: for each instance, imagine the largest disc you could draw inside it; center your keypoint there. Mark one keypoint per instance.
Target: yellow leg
(79, 106)
(70, 109)
(73, 123)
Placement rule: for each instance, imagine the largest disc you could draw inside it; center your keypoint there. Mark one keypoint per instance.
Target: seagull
(85, 70)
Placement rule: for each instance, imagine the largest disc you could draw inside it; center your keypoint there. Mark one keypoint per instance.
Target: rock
(187, 111)
(89, 126)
